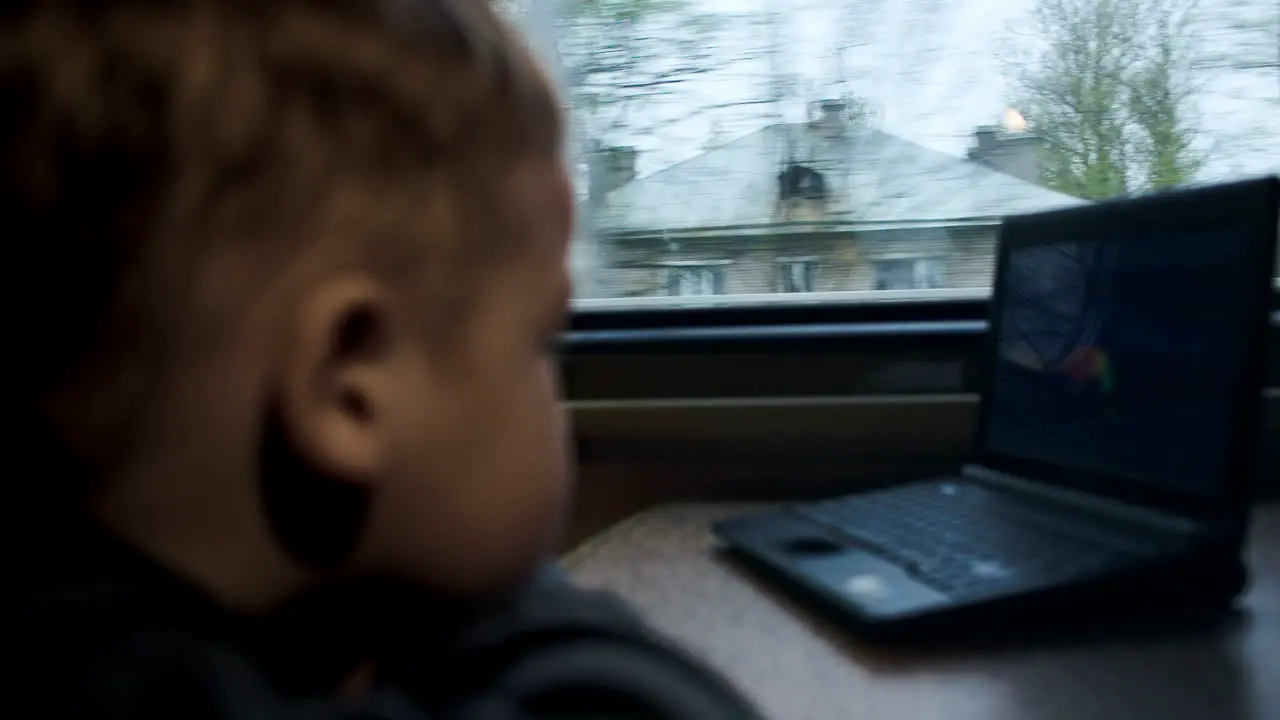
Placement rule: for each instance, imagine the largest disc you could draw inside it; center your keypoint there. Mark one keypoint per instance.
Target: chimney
(1012, 153)
(833, 111)
(987, 137)
(827, 117)
(609, 168)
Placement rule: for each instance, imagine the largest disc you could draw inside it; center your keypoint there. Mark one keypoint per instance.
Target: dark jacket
(115, 637)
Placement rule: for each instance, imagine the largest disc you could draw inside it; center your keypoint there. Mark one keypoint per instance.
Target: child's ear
(337, 377)
(326, 434)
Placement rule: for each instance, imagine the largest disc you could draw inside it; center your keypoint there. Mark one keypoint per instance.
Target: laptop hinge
(1085, 501)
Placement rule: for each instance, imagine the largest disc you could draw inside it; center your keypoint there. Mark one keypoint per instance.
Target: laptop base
(876, 599)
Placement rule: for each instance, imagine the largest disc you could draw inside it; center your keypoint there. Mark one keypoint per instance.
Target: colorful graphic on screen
(1090, 365)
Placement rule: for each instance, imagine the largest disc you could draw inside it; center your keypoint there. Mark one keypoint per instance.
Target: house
(816, 206)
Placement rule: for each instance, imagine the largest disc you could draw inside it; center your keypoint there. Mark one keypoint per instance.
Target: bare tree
(1161, 96)
(621, 54)
(1108, 85)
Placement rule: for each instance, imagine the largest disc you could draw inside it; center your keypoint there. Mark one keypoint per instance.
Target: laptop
(1118, 435)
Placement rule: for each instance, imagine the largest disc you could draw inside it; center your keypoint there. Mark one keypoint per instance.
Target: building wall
(972, 260)
(843, 261)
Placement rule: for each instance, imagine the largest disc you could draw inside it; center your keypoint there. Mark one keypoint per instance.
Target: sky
(933, 70)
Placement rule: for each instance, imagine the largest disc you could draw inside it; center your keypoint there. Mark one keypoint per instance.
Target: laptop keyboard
(960, 536)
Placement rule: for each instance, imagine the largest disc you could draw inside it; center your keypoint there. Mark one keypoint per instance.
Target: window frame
(715, 271)
(777, 320)
(920, 266)
(728, 372)
(809, 272)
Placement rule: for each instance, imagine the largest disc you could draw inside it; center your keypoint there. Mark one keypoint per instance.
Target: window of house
(909, 273)
(797, 275)
(798, 182)
(689, 278)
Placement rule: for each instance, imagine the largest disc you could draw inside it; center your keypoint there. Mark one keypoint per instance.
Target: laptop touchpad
(811, 546)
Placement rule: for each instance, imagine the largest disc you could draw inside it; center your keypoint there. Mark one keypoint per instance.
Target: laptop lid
(1126, 351)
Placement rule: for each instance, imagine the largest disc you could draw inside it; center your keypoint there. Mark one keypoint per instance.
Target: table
(798, 667)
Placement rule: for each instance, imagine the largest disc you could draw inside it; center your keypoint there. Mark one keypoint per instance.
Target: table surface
(798, 667)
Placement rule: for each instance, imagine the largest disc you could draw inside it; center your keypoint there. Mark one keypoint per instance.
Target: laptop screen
(1119, 355)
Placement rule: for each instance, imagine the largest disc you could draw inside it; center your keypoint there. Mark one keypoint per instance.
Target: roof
(872, 176)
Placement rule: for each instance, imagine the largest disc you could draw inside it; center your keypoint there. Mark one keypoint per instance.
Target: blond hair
(140, 136)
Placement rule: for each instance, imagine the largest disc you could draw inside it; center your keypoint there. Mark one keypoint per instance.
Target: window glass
(694, 278)
(882, 142)
(796, 275)
(909, 273)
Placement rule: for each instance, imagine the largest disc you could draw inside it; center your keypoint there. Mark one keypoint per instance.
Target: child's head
(303, 250)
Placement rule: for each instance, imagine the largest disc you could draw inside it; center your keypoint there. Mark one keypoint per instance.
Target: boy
(287, 391)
